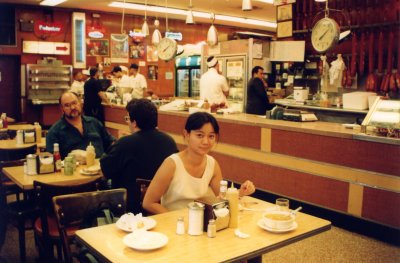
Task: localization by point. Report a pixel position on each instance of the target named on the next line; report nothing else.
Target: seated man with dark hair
(75, 131)
(137, 155)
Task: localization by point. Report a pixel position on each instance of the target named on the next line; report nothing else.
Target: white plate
(86, 172)
(274, 230)
(148, 222)
(145, 240)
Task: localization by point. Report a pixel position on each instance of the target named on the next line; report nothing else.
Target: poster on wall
(97, 47)
(152, 72)
(152, 55)
(137, 51)
(119, 48)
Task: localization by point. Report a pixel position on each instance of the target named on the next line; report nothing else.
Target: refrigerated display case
(187, 76)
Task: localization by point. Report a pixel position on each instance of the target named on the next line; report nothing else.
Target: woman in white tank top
(192, 173)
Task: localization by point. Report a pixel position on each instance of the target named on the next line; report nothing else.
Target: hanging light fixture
(212, 34)
(189, 16)
(156, 37)
(145, 26)
(246, 5)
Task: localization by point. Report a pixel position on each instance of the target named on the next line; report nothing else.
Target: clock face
(167, 48)
(325, 34)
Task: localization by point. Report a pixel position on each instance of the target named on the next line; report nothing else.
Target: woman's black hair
(198, 119)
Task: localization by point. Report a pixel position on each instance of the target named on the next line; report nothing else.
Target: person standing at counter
(213, 86)
(138, 81)
(78, 84)
(75, 131)
(120, 79)
(137, 155)
(189, 174)
(94, 96)
(257, 99)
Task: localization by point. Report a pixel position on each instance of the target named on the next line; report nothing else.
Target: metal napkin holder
(45, 163)
(210, 205)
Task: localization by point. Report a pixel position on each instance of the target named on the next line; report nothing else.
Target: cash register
(298, 115)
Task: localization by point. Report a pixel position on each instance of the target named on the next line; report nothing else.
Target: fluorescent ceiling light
(52, 2)
(183, 13)
(265, 1)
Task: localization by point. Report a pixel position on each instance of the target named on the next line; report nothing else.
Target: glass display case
(383, 119)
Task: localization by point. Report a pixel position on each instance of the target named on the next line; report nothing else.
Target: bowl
(278, 219)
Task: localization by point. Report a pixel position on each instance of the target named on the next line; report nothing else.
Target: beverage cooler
(187, 76)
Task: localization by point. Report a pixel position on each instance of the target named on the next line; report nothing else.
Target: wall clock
(167, 48)
(325, 34)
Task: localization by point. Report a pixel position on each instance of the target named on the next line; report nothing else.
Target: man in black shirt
(138, 155)
(94, 96)
(257, 99)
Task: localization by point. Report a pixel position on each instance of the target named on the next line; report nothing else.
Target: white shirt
(77, 87)
(212, 87)
(185, 188)
(138, 83)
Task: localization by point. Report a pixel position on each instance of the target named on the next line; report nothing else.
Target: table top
(12, 144)
(20, 127)
(106, 241)
(25, 182)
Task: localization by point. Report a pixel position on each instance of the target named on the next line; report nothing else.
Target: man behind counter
(75, 131)
(257, 99)
(138, 155)
(213, 86)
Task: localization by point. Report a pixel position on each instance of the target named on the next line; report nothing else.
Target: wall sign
(136, 35)
(44, 47)
(174, 35)
(42, 28)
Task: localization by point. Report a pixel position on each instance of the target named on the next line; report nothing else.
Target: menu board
(234, 69)
(288, 51)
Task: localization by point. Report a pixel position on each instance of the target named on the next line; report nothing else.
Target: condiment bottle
(211, 228)
(31, 164)
(4, 119)
(223, 188)
(90, 155)
(57, 157)
(20, 137)
(180, 226)
(38, 131)
(232, 194)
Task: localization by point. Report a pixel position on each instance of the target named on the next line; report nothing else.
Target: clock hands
(326, 31)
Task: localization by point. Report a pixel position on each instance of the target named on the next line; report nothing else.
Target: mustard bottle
(38, 131)
(90, 155)
(232, 195)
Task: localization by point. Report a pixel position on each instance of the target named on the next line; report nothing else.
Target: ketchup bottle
(57, 157)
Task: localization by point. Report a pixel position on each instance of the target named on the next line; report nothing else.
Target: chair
(17, 153)
(141, 187)
(71, 211)
(45, 227)
(16, 212)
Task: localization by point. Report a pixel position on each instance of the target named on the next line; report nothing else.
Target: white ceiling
(261, 10)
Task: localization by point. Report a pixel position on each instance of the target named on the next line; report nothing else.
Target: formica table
(25, 182)
(105, 242)
(12, 144)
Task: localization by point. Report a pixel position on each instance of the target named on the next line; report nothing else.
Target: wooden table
(12, 144)
(25, 182)
(106, 241)
(17, 127)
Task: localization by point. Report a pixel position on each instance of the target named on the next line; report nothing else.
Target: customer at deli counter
(140, 154)
(75, 131)
(213, 86)
(257, 99)
(138, 82)
(94, 95)
(189, 174)
(78, 83)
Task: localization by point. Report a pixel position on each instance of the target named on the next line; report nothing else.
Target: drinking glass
(282, 204)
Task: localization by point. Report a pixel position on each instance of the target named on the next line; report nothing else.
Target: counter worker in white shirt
(138, 82)
(120, 79)
(79, 82)
(213, 86)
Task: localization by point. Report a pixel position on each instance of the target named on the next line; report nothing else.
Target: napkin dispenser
(29, 136)
(217, 209)
(45, 163)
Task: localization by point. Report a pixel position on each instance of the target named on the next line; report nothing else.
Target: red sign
(48, 28)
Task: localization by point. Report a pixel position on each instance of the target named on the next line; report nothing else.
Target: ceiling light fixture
(145, 26)
(189, 17)
(246, 5)
(156, 37)
(52, 2)
(212, 34)
(183, 13)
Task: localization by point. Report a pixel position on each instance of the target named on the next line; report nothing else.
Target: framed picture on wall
(97, 47)
(284, 12)
(284, 29)
(152, 72)
(152, 55)
(119, 48)
(137, 51)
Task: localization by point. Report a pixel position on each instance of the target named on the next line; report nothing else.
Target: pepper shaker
(180, 226)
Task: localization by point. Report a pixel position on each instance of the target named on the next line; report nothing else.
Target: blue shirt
(69, 138)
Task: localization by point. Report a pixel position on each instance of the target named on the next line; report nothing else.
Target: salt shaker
(211, 228)
(180, 226)
(196, 218)
(20, 137)
(223, 188)
(31, 164)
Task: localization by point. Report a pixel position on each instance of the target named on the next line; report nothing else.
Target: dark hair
(71, 92)
(255, 70)
(134, 66)
(198, 119)
(210, 58)
(116, 69)
(144, 112)
(93, 71)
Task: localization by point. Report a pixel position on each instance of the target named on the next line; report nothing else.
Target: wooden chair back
(71, 210)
